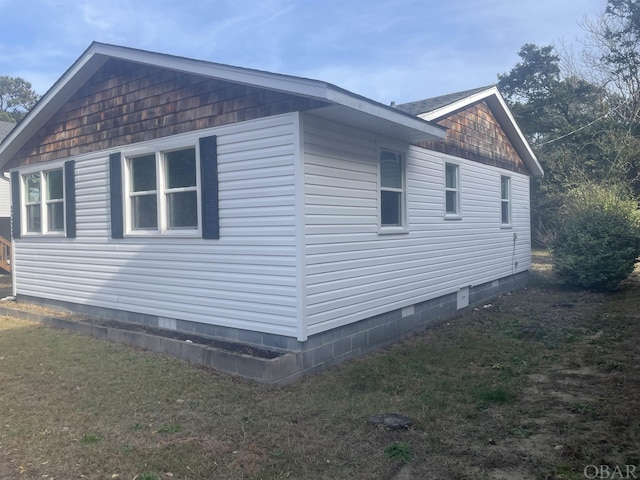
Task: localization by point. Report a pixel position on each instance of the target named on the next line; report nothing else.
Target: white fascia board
(452, 107)
(533, 163)
(504, 116)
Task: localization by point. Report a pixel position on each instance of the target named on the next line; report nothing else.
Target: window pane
(390, 170)
(143, 173)
(182, 209)
(33, 218)
(181, 168)
(55, 216)
(451, 200)
(505, 212)
(451, 176)
(390, 208)
(32, 182)
(505, 188)
(55, 185)
(145, 212)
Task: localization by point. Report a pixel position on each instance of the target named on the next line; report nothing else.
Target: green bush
(597, 238)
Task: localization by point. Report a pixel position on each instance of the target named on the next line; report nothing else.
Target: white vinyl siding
(268, 274)
(246, 279)
(353, 273)
(5, 198)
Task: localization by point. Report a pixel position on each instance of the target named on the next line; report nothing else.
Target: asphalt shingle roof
(5, 128)
(430, 104)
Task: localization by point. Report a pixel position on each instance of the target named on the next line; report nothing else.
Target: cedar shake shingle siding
(125, 103)
(475, 134)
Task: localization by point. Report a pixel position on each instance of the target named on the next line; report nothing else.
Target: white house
(264, 209)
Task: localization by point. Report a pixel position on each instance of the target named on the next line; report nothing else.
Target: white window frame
(44, 202)
(457, 215)
(506, 201)
(161, 191)
(402, 227)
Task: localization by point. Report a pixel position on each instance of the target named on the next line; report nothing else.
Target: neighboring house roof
(436, 108)
(344, 106)
(5, 128)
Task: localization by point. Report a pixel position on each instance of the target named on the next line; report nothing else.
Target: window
(44, 201)
(163, 192)
(452, 191)
(181, 189)
(172, 191)
(55, 200)
(32, 202)
(505, 200)
(391, 189)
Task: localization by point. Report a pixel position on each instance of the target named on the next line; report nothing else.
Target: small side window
(505, 200)
(452, 190)
(392, 189)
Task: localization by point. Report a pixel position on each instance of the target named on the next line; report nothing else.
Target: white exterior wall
(5, 198)
(246, 279)
(353, 272)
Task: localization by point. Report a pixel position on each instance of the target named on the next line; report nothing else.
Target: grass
(399, 451)
(540, 385)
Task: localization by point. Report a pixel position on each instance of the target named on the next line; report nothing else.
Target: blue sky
(387, 50)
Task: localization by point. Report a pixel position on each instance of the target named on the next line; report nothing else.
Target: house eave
(349, 106)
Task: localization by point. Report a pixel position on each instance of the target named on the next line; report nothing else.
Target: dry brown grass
(538, 386)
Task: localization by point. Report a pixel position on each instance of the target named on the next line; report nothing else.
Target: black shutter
(115, 180)
(70, 197)
(209, 177)
(15, 204)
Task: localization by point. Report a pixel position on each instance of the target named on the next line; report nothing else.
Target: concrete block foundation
(280, 360)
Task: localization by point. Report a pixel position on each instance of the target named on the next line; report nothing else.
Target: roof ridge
(433, 103)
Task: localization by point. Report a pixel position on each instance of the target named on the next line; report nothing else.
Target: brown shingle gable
(125, 102)
(475, 134)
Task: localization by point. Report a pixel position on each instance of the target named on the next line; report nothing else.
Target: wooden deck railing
(5, 254)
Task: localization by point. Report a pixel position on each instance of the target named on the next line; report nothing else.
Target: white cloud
(387, 49)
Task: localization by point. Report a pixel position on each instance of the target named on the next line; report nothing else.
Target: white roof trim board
(344, 104)
(502, 113)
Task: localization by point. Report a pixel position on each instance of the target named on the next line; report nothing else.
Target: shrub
(597, 237)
